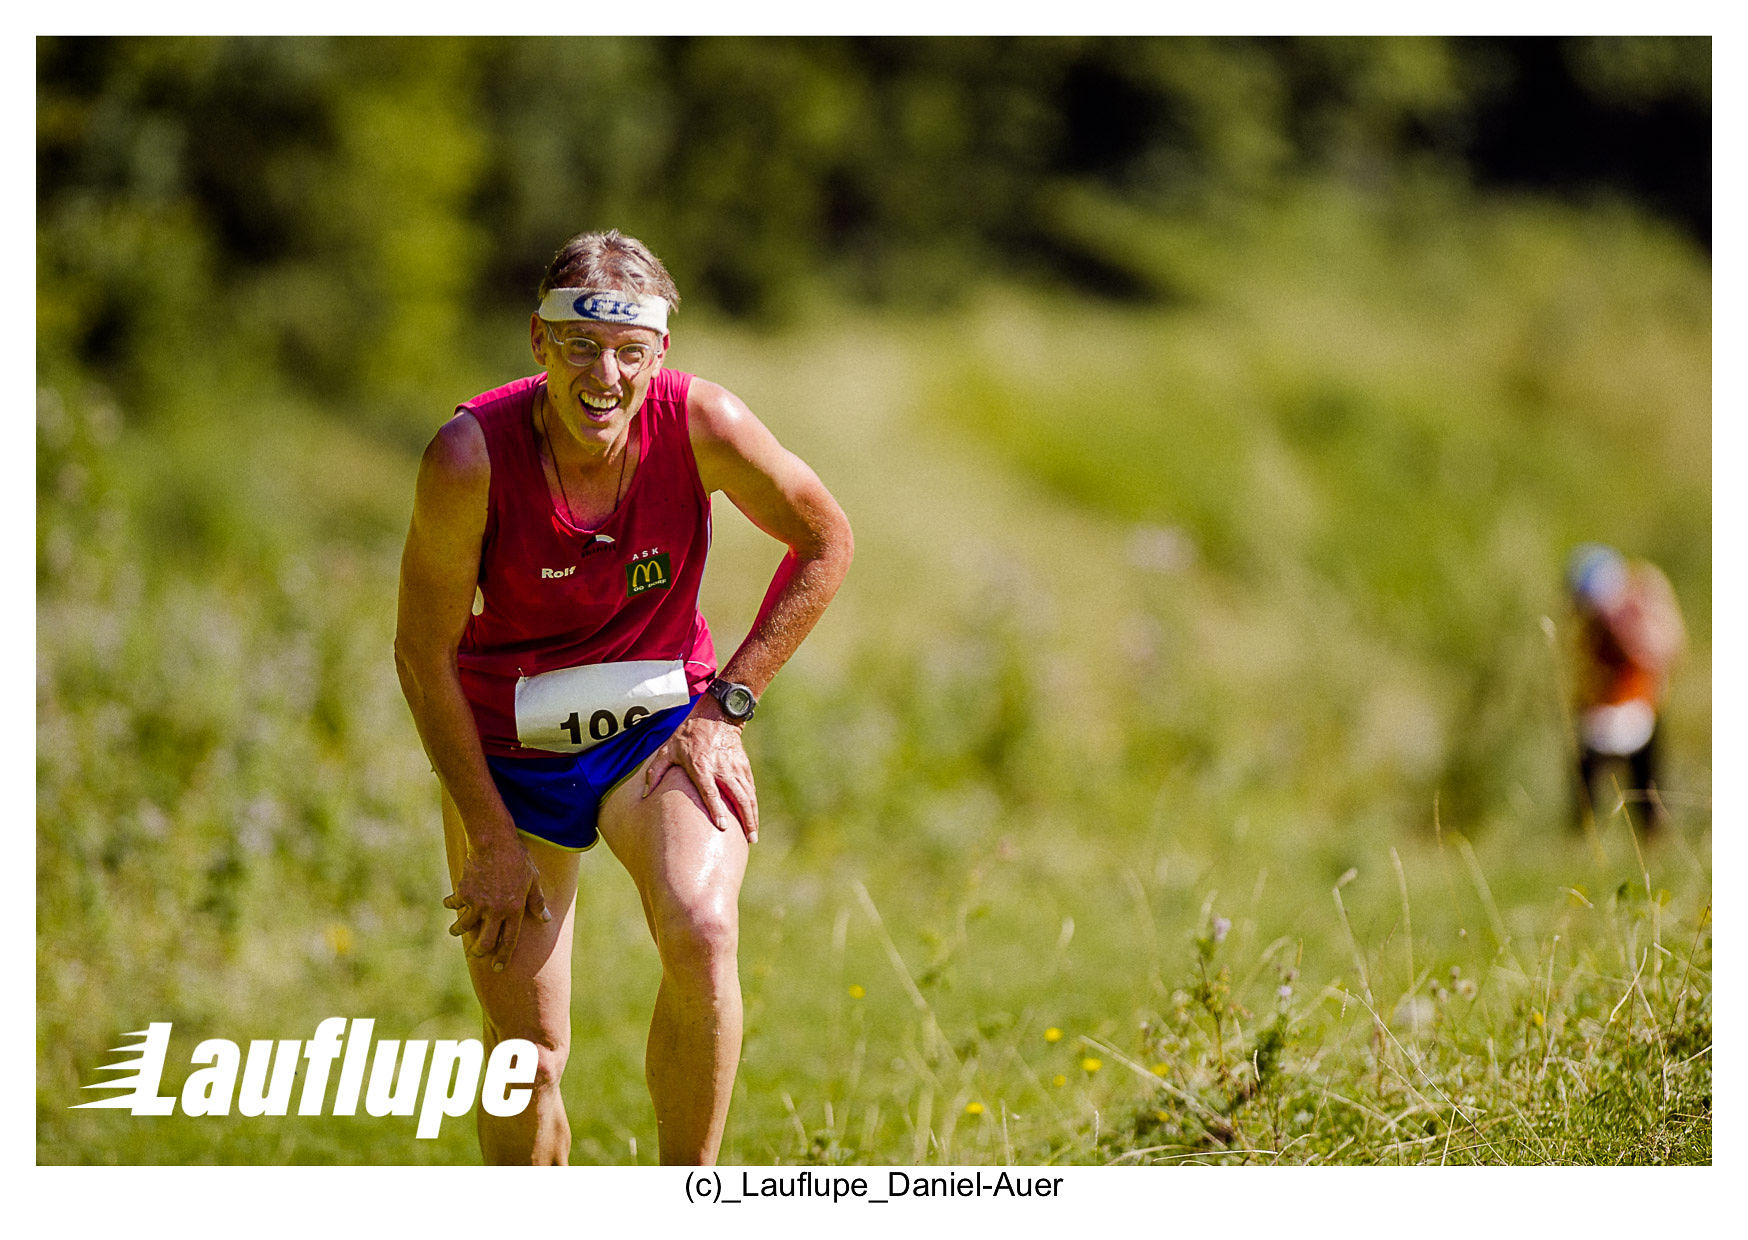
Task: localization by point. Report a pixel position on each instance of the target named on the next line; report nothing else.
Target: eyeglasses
(582, 352)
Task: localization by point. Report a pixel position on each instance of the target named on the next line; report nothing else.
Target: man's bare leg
(689, 876)
(530, 999)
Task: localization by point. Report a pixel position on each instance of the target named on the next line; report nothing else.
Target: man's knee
(699, 936)
(551, 1052)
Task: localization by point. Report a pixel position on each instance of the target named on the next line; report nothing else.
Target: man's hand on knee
(498, 887)
(709, 750)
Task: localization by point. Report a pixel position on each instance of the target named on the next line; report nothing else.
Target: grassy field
(1180, 776)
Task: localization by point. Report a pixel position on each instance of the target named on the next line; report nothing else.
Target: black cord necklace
(570, 514)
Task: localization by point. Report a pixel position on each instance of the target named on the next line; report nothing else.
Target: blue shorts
(558, 799)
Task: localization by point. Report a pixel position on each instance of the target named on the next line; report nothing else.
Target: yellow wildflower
(339, 937)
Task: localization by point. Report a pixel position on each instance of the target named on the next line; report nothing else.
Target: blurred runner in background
(1630, 634)
(565, 685)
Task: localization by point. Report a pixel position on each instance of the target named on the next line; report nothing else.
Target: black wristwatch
(737, 701)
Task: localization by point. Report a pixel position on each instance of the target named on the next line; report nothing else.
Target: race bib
(576, 708)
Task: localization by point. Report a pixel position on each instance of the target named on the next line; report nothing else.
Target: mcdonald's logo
(650, 574)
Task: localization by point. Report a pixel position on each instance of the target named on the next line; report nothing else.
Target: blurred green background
(1215, 417)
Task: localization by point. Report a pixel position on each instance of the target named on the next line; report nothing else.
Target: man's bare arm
(439, 570)
(781, 495)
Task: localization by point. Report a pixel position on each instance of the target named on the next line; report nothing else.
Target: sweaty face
(594, 377)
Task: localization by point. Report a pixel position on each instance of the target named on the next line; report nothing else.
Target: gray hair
(610, 260)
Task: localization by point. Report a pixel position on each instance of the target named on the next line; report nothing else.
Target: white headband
(604, 305)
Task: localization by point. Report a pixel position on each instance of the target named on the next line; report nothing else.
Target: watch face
(738, 702)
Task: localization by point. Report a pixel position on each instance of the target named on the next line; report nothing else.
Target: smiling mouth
(599, 404)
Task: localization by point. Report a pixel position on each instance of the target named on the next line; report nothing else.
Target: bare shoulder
(716, 415)
(455, 477)
(730, 444)
(457, 453)
(776, 489)
(440, 562)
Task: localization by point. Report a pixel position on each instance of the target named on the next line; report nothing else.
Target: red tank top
(556, 596)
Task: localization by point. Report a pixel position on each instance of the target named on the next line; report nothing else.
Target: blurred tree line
(339, 210)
